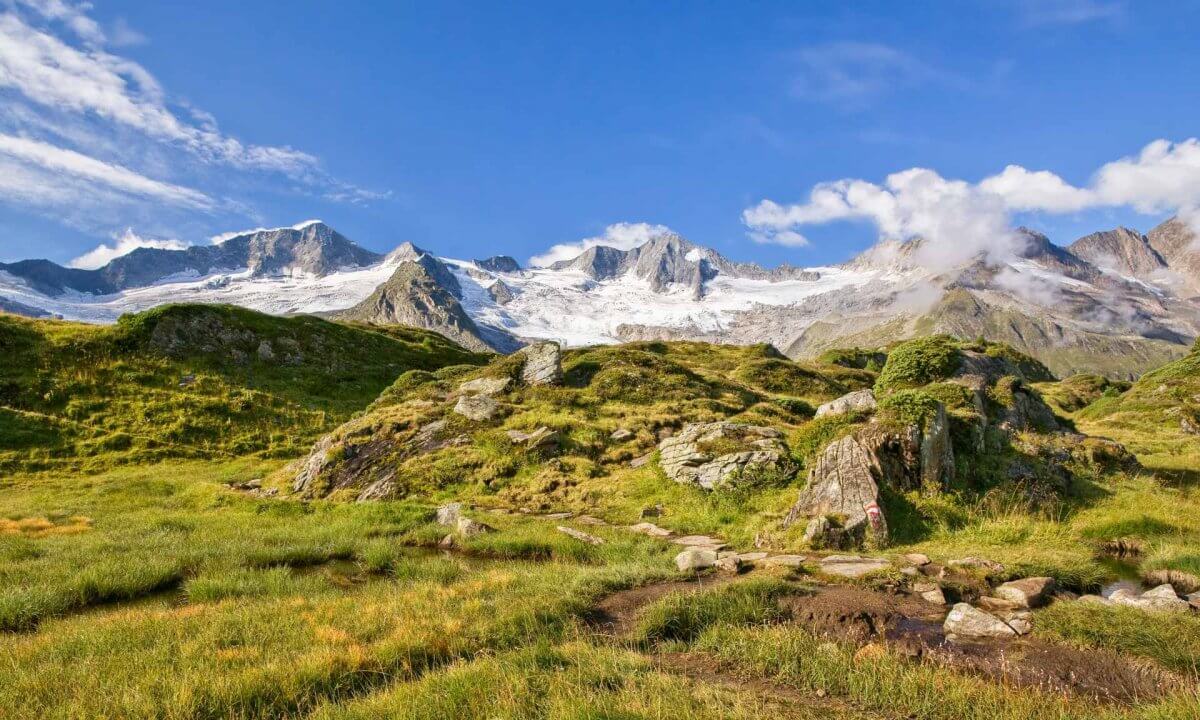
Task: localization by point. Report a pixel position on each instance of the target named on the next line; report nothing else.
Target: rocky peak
(1178, 245)
(499, 263)
(1123, 250)
(310, 249)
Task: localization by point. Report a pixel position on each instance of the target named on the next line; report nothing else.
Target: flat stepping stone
(852, 566)
(752, 556)
(784, 560)
(700, 541)
(557, 516)
(580, 535)
(589, 520)
(648, 528)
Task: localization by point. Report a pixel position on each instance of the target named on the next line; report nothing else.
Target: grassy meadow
(141, 579)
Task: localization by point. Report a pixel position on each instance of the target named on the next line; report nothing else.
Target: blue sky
(477, 128)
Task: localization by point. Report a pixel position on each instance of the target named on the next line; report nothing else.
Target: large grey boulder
(543, 364)
(695, 559)
(857, 401)
(477, 407)
(1028, 592)
(1160, 599)
(689, 457)
(966, 621)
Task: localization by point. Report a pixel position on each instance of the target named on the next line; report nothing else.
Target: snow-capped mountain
(1113, 302)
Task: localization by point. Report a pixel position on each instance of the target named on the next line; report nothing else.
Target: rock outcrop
(712, 454)
(841, 500)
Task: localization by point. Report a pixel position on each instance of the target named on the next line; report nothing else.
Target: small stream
(1126, 575)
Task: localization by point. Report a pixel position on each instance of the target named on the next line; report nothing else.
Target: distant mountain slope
(192, 381)
(1115, 302)
(1124, 250)
(424, 293)
(311, 248)
(1179, 246)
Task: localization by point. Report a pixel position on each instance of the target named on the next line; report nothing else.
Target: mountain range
(1115, 302)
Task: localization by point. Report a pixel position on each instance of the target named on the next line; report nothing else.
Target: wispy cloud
(958, 220)
(1038, 13)
(122, 244)
(853, 74)
(82, 125)
(623, 236)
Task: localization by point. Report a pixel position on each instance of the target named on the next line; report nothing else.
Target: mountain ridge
(1063, 304)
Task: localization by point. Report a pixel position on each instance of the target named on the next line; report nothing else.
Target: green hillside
(197, 381)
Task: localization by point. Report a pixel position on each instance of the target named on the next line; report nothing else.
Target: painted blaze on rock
(713, 454)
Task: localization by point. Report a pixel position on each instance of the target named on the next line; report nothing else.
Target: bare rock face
(857, 401)
(477, 407)
(542, 438)
(707, 454)
(485, 386)
(543, 364)
(318, 458)
(841, 500)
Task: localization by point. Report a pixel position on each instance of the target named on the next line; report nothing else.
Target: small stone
(449, 514)
(910, 571)
(930, 592)
(477, 407)
(647, 528)
(752, 556)
(1095, 599)
(917, 559)
(1193, 599)
(621, 435)
(265, 353)
(579, 535)
(446, 542)
(695, 559)
(967, 621)
(557, 515)
(638, 462)
(540, 439)
(589, 520)
(730, 563)
(1028, 592)
(995, 604)
(470, 528)
(1020, 622)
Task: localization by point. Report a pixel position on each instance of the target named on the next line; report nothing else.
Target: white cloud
(1069, 12)
(623, 236)
(52, 73)
(61, 162)
(850, 74)
(959, 220)
(123, 244)
(122, 34)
